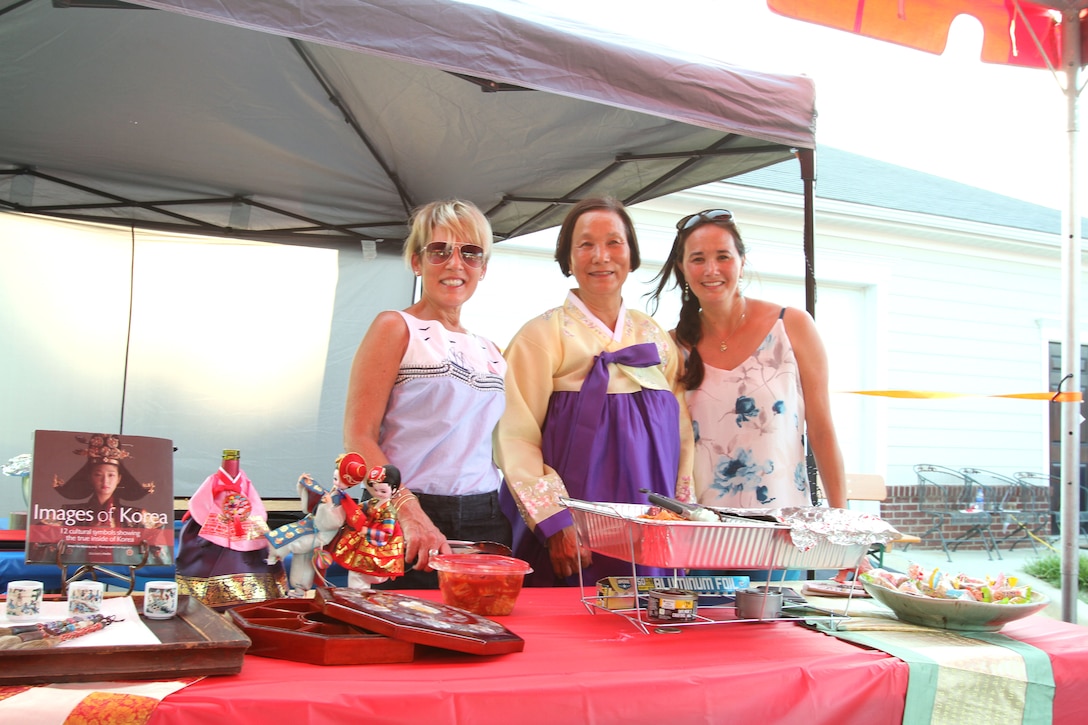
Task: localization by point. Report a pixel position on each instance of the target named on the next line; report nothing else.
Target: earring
(687, 292)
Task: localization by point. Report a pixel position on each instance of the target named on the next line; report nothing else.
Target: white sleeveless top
(749, 423)
(442, 411)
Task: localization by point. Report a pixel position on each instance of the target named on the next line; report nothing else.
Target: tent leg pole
(807, 157)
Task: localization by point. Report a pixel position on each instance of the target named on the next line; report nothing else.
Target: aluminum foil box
(615, 592)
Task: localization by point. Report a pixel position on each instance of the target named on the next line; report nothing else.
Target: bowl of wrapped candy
(484, 584)
(960, 602)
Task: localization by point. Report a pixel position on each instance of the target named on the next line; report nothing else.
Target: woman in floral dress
(755, 376)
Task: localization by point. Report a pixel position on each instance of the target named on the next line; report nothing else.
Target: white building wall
(905, 302)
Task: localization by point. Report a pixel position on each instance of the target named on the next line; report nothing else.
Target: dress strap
(782, 314)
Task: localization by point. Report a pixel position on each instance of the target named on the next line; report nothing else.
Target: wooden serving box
(195, 643)
(413, 619)
(298, 630)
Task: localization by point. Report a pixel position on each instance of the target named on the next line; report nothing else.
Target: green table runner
(960, 677)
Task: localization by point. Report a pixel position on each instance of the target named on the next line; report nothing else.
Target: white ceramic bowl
(960, 614)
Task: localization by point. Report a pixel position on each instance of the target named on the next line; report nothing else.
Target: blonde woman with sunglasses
(755, 377)
(425, 394)
(590, 411)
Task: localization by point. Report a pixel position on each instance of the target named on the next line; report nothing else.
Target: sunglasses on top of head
(440, 252)
(709, 215)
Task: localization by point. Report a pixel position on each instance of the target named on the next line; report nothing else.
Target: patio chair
(948, 498)
(1016, 503)
(1046, 483)
(870, 488)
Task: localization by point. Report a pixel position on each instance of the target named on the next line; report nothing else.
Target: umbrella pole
(1071, 411)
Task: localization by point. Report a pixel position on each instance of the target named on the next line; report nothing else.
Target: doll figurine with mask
(371, 543)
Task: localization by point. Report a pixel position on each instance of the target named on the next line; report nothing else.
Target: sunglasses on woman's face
(710, 215)
(440, 253)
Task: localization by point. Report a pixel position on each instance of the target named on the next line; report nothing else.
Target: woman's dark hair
(689, 331)
(566, 232)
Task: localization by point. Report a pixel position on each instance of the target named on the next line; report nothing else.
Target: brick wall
(900, 509)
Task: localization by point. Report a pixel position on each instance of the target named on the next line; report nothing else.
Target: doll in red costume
(371, 543)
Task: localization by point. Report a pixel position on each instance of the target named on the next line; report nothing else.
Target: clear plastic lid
(479, 564)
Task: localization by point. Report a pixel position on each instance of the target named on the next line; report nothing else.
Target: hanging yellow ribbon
(1051, 396)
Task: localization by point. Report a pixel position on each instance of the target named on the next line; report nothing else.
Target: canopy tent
(320, 123)
(298, 119)
(1051, 34)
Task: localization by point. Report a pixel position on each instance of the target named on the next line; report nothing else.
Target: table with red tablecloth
(579, 666)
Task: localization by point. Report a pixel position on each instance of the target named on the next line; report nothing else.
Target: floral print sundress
(749, 423)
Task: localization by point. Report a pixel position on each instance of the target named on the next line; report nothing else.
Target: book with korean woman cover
(101, 498)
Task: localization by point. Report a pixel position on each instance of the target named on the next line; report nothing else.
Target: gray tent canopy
(328, 121)
(320, 124)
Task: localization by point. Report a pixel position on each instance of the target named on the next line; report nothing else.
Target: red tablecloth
(583, 667)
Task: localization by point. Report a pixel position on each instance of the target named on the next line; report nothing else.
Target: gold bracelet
(400, 497)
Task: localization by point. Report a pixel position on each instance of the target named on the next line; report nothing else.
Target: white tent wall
(233, 344)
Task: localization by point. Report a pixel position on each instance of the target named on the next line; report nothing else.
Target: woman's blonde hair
(462, 218)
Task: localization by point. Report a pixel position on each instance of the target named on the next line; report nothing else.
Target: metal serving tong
(480, 547)
(698, 512)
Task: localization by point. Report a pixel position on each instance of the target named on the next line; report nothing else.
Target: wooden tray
(422, 621)
(297, 630)
(197, 642)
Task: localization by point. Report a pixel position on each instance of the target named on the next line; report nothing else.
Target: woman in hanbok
(590, 410)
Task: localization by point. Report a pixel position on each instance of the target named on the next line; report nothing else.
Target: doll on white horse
(306, 539)
(371, 543)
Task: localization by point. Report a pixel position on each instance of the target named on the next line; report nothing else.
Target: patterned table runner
(960, 677)
(76, 703)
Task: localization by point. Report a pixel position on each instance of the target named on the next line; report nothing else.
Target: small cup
(85, 598)
(160, 600)
(24, 600)
(759, 604)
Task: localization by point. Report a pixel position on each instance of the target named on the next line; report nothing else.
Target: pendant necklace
(724, 345)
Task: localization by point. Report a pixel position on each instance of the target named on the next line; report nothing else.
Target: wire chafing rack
(622, 532)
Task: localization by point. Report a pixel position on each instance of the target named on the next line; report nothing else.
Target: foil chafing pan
(615, 530)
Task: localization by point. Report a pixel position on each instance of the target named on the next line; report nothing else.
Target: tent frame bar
(187, 223)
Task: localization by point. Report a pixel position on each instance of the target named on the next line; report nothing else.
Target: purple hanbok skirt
(636, 444)
(220, 577)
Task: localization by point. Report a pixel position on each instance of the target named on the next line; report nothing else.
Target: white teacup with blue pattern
(24, 600)
(84, 598)
(160, 600)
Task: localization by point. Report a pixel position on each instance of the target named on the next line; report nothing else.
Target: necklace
(724, 344)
